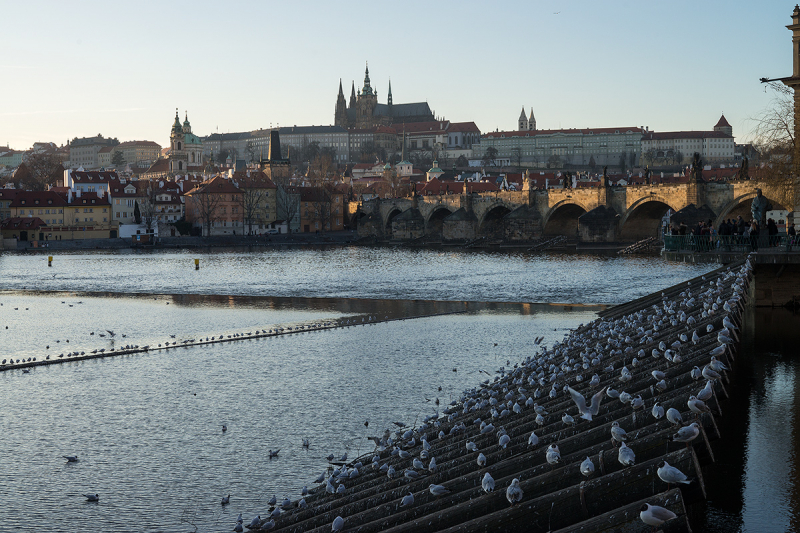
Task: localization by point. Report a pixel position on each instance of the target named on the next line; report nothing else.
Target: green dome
(387, 166)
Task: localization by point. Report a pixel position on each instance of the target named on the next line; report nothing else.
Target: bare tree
(251, 202)
(516, 156)
(147, 204)
(42, 171)
(774, 137)
(205, 206)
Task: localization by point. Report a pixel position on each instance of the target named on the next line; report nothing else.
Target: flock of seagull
(587, 359)
(699, 324)
(133, 348)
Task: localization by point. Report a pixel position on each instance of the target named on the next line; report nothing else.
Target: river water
(147, 427)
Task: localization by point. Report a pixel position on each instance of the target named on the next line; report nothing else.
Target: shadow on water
(754, 486)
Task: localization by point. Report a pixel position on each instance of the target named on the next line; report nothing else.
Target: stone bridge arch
(643, 218)
(387, 223)
(435, 220)
(491, 223)
(741, 206)
(562, 218)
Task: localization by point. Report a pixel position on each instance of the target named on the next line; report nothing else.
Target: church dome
(387, 166)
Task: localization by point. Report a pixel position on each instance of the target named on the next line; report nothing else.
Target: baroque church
(186, 148)
(364, 111)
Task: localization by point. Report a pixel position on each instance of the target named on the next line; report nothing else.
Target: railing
(729, 243)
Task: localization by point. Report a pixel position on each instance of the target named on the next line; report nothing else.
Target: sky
(79, 68)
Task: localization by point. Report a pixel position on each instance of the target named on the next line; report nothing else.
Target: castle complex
(364, 111)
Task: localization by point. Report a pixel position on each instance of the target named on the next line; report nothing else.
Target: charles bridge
(600, 214)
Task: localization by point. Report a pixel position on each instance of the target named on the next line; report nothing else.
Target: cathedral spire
(390, 91)
(341, 92)
(353, 95)
(367, 89)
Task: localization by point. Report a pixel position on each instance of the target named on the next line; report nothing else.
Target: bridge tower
(794, 83)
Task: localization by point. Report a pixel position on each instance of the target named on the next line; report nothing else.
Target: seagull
(472, 447)
(438, 490)
(481, 460)
(706, 393)
(274, 454)
(653, 515)
(71, 458)
(92, 497)
(338, 524)
(256, 521)
(226, 499)
(514, 492)
(273, 500)
(674, 416)
(625, 455)
(587, 412)
(238, 528)
(698, 407)
(669, 474)
(407, 501)
(487, 483)
(553, 454)
(533, 440)
(687, 434)
(617, 433)
(658, 411)
(587, 467)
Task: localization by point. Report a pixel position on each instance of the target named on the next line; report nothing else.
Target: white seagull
(653, 515)
(587, 411)
(669, 474)
(488, 482)
(514, 492)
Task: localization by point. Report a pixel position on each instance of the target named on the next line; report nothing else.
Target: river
(147, 427)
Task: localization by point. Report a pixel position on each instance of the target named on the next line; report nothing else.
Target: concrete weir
(506, 425)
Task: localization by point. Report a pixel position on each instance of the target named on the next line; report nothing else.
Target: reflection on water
(759, 491)
(354, 272)
(146, 427)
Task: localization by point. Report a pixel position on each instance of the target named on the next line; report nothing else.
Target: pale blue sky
(85, 67)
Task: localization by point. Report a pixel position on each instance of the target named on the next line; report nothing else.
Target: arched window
(192, 157)
(180, 165)
(179, 145)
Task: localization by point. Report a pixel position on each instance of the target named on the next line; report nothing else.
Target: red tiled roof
(8, 194)
(722, 123)
(90, 199)
(38, 198)
(468, 127)
(419, 127)
(22, 223)
(93, 176)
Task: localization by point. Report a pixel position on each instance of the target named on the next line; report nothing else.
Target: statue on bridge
(566, 180)
(759, 207)
(605, 177)
(697, 168)
(744, 171)
(647, 175)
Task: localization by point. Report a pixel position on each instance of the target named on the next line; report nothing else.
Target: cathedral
(363, 111)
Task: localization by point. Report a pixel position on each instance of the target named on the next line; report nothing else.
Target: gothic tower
(353, 96)
(523, 120)
(340, 116)
(365, 106)
(532, 122)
